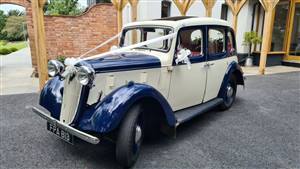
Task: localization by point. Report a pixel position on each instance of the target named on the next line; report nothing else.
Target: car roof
(181, 21)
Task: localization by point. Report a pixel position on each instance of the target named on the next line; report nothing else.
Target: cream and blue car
(148, 89)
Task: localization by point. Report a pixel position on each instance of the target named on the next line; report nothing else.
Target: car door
(217, 61)
(187, 86)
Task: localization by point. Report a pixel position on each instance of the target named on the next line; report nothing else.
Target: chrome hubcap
(229, 91)
(138, 134)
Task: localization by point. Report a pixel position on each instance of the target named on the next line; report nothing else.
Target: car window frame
(192, 59)
(231, 31)
(217, 56)
(147, 26)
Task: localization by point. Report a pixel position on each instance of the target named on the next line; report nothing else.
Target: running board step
(188, 113)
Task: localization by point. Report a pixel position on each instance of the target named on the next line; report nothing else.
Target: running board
(189, 113)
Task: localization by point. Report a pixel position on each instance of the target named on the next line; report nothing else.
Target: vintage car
(163, 73)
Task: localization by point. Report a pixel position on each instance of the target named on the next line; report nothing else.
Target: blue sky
(7, 7)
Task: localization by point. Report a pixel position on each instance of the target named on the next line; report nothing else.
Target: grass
(18, 45)
(6, 48)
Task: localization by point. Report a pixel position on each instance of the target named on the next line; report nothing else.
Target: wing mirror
(183, 57)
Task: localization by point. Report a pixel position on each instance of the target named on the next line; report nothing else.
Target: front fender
(233, 69)
(106, 115)
(51, 96)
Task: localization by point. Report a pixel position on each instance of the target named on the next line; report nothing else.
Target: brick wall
(72, 36)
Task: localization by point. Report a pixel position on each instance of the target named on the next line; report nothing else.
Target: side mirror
(114, 47)
(183, 57)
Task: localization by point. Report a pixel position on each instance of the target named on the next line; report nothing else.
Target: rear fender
(233, 69)
(106, 115)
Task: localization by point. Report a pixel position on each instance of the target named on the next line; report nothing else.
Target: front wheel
(229, 94)
(130, 138)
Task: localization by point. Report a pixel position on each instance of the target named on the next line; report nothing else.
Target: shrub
(61, 58)
(4, 51)
(13, 49)
(3, 42)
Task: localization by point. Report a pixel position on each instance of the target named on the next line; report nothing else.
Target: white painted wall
(151, 9)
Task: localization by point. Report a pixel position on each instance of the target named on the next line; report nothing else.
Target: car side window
(216, 41)
(230, 44)
(191, 39)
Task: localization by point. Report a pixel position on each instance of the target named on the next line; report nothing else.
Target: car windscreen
(136, 35)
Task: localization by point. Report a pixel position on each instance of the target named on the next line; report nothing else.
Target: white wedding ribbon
(102, 44)
(73, 61)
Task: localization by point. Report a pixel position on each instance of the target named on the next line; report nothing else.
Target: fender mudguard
(106, 115)
(233, 68)
(51, 96)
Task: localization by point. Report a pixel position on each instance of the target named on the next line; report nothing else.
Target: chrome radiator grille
(71, 99)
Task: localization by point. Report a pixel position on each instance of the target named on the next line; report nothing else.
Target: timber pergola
(235, 7)
(208, 4)
(119, 5)
(269, 7)
(183, 6)
(40, 42)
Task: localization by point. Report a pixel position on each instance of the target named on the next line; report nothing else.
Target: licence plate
(64, 135)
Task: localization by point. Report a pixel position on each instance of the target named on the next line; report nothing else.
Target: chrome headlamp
(55, 67)
(85, 75)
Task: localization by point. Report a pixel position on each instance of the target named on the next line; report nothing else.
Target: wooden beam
(133, 4)
(235, 8)
(209, 4)
(183, 6)
(119, 5)
(269, 7)
(40, 42)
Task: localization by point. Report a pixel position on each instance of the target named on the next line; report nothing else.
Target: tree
(15, 28)
(3, 18)
(63, 7)
(250, 38)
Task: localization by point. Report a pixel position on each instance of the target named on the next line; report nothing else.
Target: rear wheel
(229, 94)
(130, 137)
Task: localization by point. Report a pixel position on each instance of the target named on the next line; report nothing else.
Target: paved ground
(15, 71)
(261, 130)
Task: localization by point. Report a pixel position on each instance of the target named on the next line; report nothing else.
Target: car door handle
(208, 65)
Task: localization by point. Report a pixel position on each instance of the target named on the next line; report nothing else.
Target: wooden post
(40, 42)
(209, 4)
(183, 6)
(235, 8)
(269, 7)
(133, 4)
(119, 5)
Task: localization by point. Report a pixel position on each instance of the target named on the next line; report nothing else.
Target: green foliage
(13, 49)
(3, 18)
(15, 28)
(251, 38)
(63, 7)
(3, 42)
(61, 58)
(5, 51)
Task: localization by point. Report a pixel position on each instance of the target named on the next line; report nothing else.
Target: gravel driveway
(261, 130)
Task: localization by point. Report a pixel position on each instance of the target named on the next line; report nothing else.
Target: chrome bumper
(82, 135)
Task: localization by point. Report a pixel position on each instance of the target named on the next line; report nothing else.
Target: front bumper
(82, 135)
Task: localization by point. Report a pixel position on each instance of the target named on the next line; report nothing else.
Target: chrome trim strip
(82, 135)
